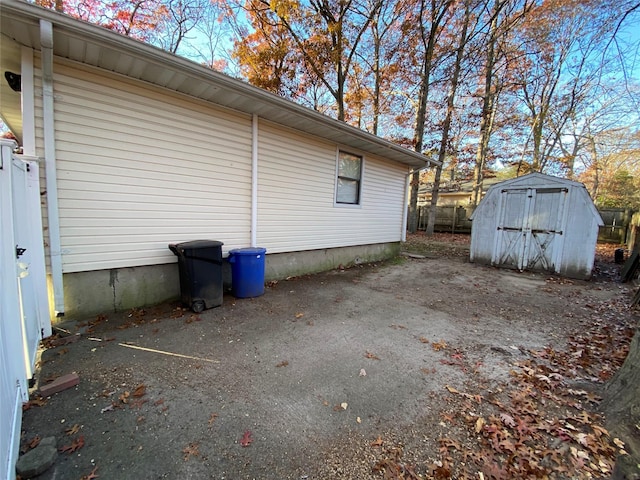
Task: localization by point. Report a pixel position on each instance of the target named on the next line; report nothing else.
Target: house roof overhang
(96, 46)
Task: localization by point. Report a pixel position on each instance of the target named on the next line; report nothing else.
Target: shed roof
(536, 178)
(99, 47)
(541, 180)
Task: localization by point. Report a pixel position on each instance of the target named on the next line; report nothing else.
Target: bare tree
(451, 96)
(429, 32)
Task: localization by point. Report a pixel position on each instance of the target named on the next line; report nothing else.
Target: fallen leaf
(72, 430)
(31, 444)
(358, 420)
(76, 445)
(299, 315)
(441, 345)
(424, 339)
(377, 442)
(246, 439)
(34, 402)
(191, 450)
(363, 373)
(139, 402)
(344, 405)
(92, 475)
(371, 356)
(140, 390)
(451, 389)
(212, 418)
(283, 363)
(507, 420)
(479, 424)
(449, 417)
(397, 327)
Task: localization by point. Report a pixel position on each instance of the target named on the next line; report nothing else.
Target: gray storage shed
(537, 222)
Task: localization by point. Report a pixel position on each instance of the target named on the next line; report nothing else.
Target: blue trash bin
(247, 271)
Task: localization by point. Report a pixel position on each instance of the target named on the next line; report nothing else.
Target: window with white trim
(349, 179)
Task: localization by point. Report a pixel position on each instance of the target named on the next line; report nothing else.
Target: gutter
(53, 217)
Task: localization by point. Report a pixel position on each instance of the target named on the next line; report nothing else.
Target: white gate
(24, 309)
(530, 224)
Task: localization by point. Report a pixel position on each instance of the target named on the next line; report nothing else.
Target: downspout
(407, 186)
(55, 254)
(28, 105)
(254, 180)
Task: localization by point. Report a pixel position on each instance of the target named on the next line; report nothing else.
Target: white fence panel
(24, 312)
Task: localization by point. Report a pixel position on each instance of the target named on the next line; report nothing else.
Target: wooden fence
(617, 227)
(449, 218)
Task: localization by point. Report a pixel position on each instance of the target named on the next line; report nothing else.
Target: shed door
(529, 228)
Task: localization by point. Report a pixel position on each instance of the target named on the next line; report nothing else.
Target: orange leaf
(140, 390)
(246, 439)
(76, 445)
(377, 442)
(72, 430)
(91, 476)
(371, 356)
(191, 450)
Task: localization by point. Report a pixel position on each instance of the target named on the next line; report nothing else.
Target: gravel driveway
(350, 374)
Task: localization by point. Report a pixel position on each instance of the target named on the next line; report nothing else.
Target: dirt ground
(414, 368)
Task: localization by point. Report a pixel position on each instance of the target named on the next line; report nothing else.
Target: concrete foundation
(103, 291)
(291, 264)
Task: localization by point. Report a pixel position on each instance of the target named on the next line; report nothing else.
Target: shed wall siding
(572, 252)
(582, 231)
(296, 192)
(139, 168)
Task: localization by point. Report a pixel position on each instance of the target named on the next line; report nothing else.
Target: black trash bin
(200, 265)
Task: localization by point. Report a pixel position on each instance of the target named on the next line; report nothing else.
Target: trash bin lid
(180, 248)
(248, 251)
(200, 244)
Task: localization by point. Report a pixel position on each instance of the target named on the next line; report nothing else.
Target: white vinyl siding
(139, 168)
(296, 196)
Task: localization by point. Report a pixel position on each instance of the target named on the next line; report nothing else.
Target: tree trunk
(485, 132)
(437, 16)
(447, 121)
(622, 407)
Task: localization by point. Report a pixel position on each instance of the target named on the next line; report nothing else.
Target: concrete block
(59, 384)
(38, 460)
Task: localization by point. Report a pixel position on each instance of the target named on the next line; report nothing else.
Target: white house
(140, 148)
(536, 222)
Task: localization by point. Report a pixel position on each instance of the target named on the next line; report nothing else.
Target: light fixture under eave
(14, 80)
